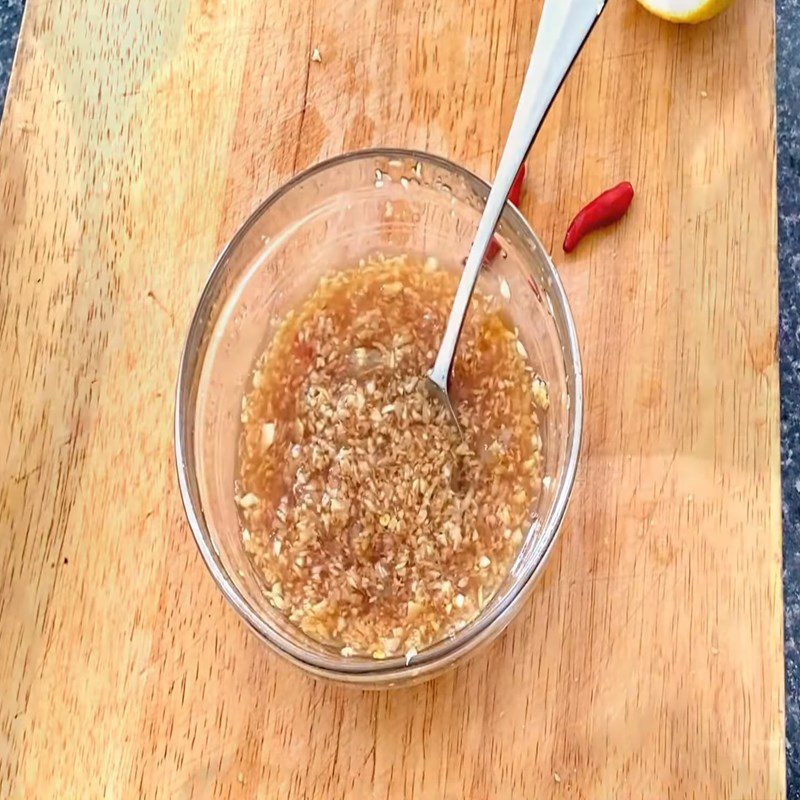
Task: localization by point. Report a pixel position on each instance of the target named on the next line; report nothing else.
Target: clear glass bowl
(327, 218)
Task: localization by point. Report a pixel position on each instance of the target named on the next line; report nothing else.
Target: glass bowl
(376, 201)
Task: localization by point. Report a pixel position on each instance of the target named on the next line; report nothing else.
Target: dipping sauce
(373, 525)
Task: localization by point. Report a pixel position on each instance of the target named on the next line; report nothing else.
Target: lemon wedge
(691, 11)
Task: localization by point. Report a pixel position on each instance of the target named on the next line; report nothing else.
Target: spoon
(563, 28)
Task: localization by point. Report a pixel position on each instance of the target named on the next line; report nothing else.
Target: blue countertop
(10, 16)
(788, 86)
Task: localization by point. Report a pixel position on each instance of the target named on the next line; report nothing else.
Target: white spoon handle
(563, 28)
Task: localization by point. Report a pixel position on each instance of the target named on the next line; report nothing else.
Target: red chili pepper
(514, 195)
(603, 210)
(515, 192)
(303, 351)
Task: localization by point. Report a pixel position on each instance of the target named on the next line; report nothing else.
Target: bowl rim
(447, 651)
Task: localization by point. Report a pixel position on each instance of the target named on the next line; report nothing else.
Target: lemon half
(686, 10)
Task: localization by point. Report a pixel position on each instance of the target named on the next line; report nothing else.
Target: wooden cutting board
(648, 662)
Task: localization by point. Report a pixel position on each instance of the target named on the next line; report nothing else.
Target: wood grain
(137, 136)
